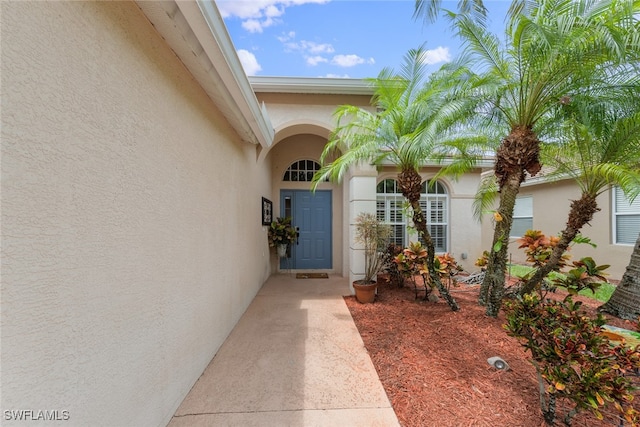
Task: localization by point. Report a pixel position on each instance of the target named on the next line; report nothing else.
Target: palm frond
(429, 10)
(485, 197)
(412, 118)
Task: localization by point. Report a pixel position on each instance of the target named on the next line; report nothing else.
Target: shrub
(573, 359)
(447, 267)
(412, 262)
(538, 248)
(281, 232)
(373, 234)
(390, 266)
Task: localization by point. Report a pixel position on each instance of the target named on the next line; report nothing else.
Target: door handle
(297, 235)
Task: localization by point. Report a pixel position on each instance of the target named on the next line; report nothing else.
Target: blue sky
(337, 38)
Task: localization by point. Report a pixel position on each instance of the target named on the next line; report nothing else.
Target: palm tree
(413, 119)
(552, 49)
(625, 300)
(430, 9)
(603, 150)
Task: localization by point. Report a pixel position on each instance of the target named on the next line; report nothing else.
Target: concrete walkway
(294, 359)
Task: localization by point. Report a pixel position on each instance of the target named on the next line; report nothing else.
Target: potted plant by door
(281, 235)
(373, 235)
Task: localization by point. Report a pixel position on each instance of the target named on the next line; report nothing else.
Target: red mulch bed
(433, 362)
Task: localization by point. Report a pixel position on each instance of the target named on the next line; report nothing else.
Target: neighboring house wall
(551, 204)
(127, 202)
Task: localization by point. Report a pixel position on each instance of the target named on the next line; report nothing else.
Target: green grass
(517, 270)
(603, 293)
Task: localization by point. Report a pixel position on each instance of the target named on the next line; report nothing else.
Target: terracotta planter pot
(365, 293)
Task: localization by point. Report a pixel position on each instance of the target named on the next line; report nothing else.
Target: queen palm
(602, 149)
(414, 118)
(551, 51)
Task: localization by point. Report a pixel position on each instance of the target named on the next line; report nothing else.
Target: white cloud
(347, 60)
(305, 46)
(315, 60)
(286, 37)
(273, 12)
(313, 47)
(252, 26)
(437, 55)
(258, 14)
(243, 9)
(336, 76)
(350, 60)
(249, 62)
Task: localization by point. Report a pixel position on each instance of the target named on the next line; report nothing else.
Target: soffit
(195, 31)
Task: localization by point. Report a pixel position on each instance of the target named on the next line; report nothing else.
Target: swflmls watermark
(36, 415)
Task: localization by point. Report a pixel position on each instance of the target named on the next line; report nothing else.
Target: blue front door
(311, 214)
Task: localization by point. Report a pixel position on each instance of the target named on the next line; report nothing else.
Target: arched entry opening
(318, 215)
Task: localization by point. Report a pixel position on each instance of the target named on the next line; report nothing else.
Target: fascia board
(532, 181)
(231, 71)
(310, 85)
(481, 164)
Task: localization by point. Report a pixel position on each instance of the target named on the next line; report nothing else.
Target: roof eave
(311, 85)
(197, 34)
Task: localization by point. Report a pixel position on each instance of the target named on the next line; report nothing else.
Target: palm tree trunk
(410, 183)
(492, 287)
(581, 212)
(625, 300)
(421, 226)
(518, 152)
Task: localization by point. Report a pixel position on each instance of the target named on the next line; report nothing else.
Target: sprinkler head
(498, 363)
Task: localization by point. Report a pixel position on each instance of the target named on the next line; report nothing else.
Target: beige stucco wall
(551, 203)
(286, 110)
(127, 205)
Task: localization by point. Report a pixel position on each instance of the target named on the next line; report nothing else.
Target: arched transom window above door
(302, 170)
(434, 202)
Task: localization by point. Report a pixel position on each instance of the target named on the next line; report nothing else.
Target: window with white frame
(389, 202)
(522, 216)
(434, 202)
(626, 218)
(302, 170)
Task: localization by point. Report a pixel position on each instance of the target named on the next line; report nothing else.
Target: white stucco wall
(125, 196)
(465, 230)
